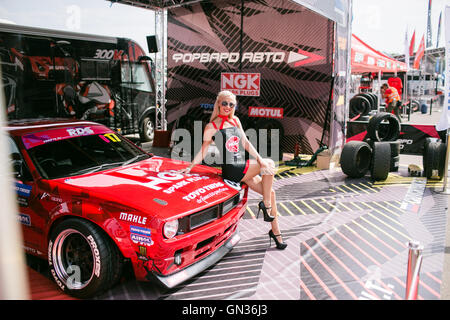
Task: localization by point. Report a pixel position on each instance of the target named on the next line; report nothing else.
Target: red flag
(412, 44)
(419, 54)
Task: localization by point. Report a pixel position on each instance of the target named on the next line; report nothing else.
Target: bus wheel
(147, 130)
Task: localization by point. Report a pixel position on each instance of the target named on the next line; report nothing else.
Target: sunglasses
(226, 104)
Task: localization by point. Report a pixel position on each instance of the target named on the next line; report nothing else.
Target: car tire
(442, 150)
(381, 161)
(359, 105)
(83, 260)
(375, 99)
(431, 160)
(395, 155)
(425, 149)
(371, 99)
(434, 159)
(378, 131)
(147, 130)
(356, 159)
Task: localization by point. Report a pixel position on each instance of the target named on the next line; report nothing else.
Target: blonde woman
(228, 134)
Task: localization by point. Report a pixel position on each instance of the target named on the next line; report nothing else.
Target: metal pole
(414, 264)
(161, 63)
(445, 190)
(409, 110)
(379, 90)
(431, 105)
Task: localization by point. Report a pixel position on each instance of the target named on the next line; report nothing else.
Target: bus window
(135, 76)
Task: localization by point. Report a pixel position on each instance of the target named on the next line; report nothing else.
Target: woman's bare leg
(256, 184)
(267, 181)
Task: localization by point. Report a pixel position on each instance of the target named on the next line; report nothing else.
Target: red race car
(91, 201)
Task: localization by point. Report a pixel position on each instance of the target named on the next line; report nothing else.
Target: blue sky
(381, 23)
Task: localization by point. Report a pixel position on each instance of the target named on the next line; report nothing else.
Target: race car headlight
(170, 229)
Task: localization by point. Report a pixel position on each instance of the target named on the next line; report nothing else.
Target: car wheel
(381, 161)
(147, 132)
(355, 159)
(82, 259)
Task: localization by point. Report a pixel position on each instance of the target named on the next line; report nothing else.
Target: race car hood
(152, 186)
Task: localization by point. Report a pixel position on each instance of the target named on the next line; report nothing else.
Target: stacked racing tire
(379, 155)
(434, 158)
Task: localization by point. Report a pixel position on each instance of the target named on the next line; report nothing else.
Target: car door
(27, 199)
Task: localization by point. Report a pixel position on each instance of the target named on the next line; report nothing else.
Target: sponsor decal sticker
(233, 184)
(129, 217)
(201, 194)
(23, 190)
(141, 235)
(80, 131)
(24, 219)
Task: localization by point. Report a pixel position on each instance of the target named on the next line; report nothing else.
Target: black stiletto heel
(263, 208)
(280, 245)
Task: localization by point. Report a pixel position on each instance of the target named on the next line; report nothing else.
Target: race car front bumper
(175, 279)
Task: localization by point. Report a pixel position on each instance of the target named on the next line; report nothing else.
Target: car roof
(24, 126)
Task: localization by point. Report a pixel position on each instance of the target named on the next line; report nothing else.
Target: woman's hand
(267, 167)
(185, 170)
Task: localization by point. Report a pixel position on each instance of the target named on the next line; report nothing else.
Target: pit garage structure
(297, 50)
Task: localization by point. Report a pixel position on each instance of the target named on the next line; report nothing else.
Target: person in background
(396, 82)
(225, 129)
(392, 99)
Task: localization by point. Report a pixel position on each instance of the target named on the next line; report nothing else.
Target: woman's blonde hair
(220, 96)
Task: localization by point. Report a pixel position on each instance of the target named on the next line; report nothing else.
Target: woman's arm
(207, 140)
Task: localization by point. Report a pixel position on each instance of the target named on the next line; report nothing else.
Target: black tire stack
(380, 154)
(361, 104)
(434, 158)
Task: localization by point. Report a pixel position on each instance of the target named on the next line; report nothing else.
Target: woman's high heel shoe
(263, 208)
(280, 245)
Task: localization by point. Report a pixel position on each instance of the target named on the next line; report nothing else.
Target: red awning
(366, 59)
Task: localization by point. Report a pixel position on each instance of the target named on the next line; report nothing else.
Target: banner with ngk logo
(241, 84)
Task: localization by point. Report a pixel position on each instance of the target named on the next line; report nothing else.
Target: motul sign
(262, 112)
(241, 84)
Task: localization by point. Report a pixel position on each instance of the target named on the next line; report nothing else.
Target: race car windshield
(84, 154)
